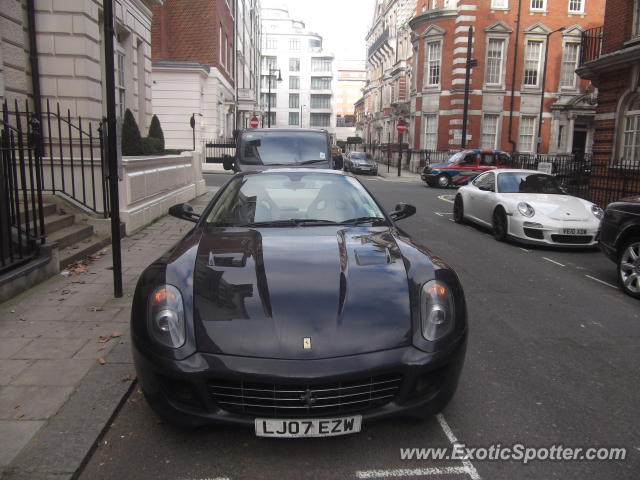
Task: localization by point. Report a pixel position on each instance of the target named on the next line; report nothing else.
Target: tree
(131, 138)
(155, 131)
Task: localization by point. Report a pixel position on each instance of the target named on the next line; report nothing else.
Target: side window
(469, 159)
(488, 159)
(487, 180)
(504, 160)
(479, 179)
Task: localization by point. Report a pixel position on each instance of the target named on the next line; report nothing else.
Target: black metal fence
(21, 212)
(215, 151)
(591, 44)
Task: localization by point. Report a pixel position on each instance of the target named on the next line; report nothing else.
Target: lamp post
(544, 83)
(192, 122)
(271, 71)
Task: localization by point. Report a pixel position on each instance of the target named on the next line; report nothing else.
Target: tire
(629, 267)
(443, 180)
(458, 209)
(500, 225)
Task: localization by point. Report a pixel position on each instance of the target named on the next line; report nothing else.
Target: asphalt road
(552, 359)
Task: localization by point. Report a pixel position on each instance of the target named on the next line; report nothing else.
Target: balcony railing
(591, 44)
(379, 41)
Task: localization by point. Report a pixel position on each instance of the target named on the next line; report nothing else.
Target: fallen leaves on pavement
(102, 361)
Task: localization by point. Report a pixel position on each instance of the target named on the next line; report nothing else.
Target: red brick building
(612, 63)
(510, 38)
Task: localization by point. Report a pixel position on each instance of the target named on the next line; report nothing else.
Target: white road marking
(439, 214)
(452, 220)
(471, 470)
(553, 261)
(412, 472)
(444, 199)
(601, 281)
(524, 249)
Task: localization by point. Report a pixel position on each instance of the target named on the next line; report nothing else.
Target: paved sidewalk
(405, 175)
(65, 360)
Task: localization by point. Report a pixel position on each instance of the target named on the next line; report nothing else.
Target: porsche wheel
(499, 224)
(458, 210)
(629, 267)
(443, 180)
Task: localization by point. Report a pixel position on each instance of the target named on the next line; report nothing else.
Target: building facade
(351, 78)
(302, 75)
(612, 62)
(205, 59)
(389, 64)
(524, 93)
(70, 54)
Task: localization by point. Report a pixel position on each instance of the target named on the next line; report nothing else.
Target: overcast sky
(343, 24)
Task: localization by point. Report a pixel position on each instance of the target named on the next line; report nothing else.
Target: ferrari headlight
(597, 211)
(437, 310)
(526, 210)
(166, 316)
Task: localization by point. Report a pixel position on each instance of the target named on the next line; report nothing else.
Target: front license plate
(320, 427)
(574, 231)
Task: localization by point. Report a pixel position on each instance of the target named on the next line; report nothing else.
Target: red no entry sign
(253, 123)
(401, 127)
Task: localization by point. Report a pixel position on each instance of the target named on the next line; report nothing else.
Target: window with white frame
(527, 134)
(570, 56)
(320, 101)
(264, 83)
(320, 83)
(499, 3)
(433, 63)
(272, 42)
(495, 55)
(489, 138)
(430, 132)
(294, 44)
(320, 119)
(630, 151)
(532, 59)
(121, 95)
(269, 62)
(294, 82)
(576, 6)
(265, 100)
(294, 64)
(538, 5)
(294, 118)
(294, 100)
(321, 65)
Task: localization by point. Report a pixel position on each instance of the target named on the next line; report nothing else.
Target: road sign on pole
(253, 123)
(401, 126)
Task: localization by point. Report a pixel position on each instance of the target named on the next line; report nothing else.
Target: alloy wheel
(629, 268)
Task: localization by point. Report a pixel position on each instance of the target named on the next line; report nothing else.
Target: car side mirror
(486, 188)
(403, 210)
(227, 162)
(184, 211)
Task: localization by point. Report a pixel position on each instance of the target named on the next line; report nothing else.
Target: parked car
(620, 241)
(262, 148)
(360, 162)
(529, 206)
(296, 306)
(463, 167)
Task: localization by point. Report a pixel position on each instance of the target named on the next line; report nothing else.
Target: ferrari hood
(556, 207)
(300, 293)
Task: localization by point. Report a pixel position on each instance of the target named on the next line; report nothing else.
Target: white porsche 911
(529, 206)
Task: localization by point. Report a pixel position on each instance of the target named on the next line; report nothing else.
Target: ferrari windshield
(294, 198)
(525, 182)
(283, 148)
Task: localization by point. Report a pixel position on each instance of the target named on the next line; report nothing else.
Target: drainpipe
(235, 64)
(33, 59)
(513, 143)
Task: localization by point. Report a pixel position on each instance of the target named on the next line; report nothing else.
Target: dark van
(263, 148)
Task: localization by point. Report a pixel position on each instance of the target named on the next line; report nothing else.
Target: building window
(120, 82)
(266, 118)
(320, 83)
(264, 83)
(320, 65)
(430, 132)
(320, 101)
(433, 63)
(489, 131)
(539, 5)
(532, 63)
(265, 100)
(630, 151)
(269, 62)
(527, 134)
(294, 118)
(320, 119)
(294, 83)
(495, 53)
(499, 3)
(294, 44)
(272, 42)
(294, 100)
(570, 57)
(294, 64)
(576, 6)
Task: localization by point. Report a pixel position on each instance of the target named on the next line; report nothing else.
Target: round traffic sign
(401, 127)
(253, 123)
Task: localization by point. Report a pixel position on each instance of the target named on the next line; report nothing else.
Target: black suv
(620, 241)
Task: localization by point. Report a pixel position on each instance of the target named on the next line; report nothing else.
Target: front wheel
(458, 210)
(443, 180)
(499, 224)
(629, 267)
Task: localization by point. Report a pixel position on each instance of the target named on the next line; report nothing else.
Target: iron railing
(591, 44)
(215, 151)
(21, 210)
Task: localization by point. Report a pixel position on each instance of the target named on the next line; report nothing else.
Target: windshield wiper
(307, 162)
(363, 220)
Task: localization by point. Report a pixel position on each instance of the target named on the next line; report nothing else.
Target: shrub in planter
(155, 130)
(131, 139)
(151, 146)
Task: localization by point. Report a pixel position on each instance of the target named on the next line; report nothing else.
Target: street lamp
(544, 83)
(192, 122)
(271, 70)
